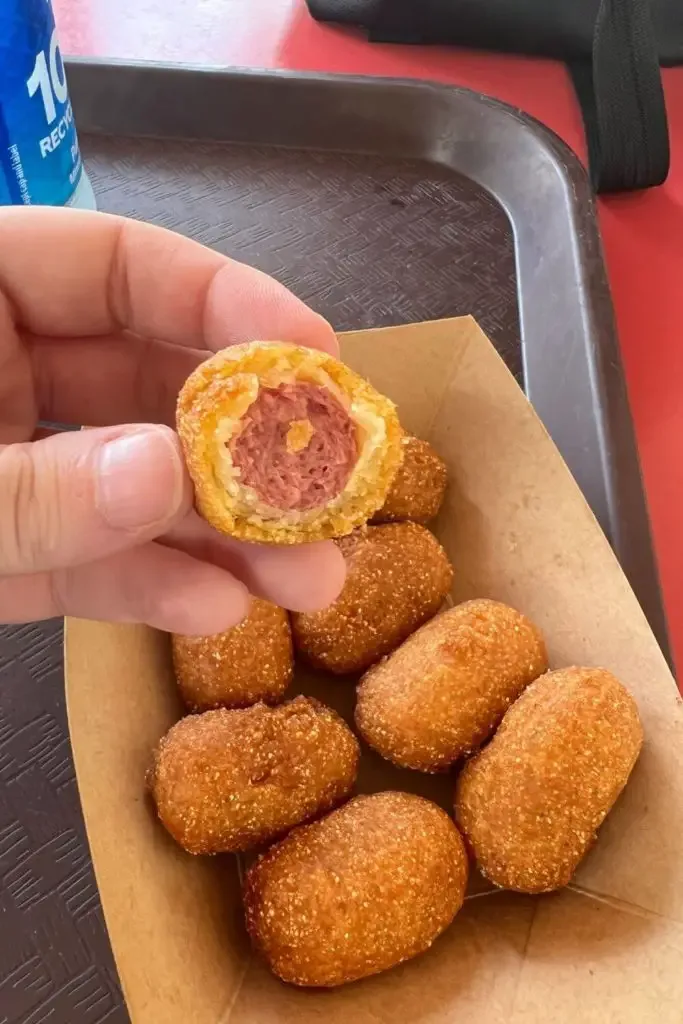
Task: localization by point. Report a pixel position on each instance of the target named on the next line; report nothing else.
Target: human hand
(101, 321)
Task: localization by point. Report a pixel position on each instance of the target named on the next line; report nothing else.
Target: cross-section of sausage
(297, 446)
(286, 444)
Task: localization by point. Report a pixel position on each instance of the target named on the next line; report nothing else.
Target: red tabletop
(643, 234)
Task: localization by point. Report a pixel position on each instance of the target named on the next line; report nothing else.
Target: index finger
(73, 273)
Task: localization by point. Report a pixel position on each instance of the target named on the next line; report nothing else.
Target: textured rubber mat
(366, 242)
(55, 962)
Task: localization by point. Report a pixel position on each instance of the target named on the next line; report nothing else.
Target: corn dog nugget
(226, 781)
(286, 444)
(371, 885)
(419, 487)
(444, 691)
(531, 802)
(251, 662)
(397, 577)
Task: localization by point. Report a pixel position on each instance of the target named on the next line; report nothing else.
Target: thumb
(83, 495)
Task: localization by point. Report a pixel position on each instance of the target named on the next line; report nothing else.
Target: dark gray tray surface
(56, 965)
(368, 240)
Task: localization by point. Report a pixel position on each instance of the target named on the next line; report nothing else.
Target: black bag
(613, 49)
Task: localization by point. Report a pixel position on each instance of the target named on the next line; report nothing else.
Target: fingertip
(326, 337)
(141, 483)
(244, 304)
(304, 577)
(164, 588)
(321, 577)
(205, 610)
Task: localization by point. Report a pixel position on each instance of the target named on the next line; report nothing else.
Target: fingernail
(139, 479)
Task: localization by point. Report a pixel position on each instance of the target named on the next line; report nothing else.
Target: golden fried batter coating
(251, 662)
(397, 577)
(531, 803)
(419, 487)
(226, 781)
(369, 886)
(214, 409)
(444, 691)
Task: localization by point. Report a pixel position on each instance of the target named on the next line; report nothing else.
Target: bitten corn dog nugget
(286, 444)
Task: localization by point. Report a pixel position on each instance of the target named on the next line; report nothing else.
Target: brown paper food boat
(607, 949)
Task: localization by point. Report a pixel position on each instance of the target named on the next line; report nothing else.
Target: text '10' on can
(40, 161)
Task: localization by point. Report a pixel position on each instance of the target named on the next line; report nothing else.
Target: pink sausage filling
(297, 446)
